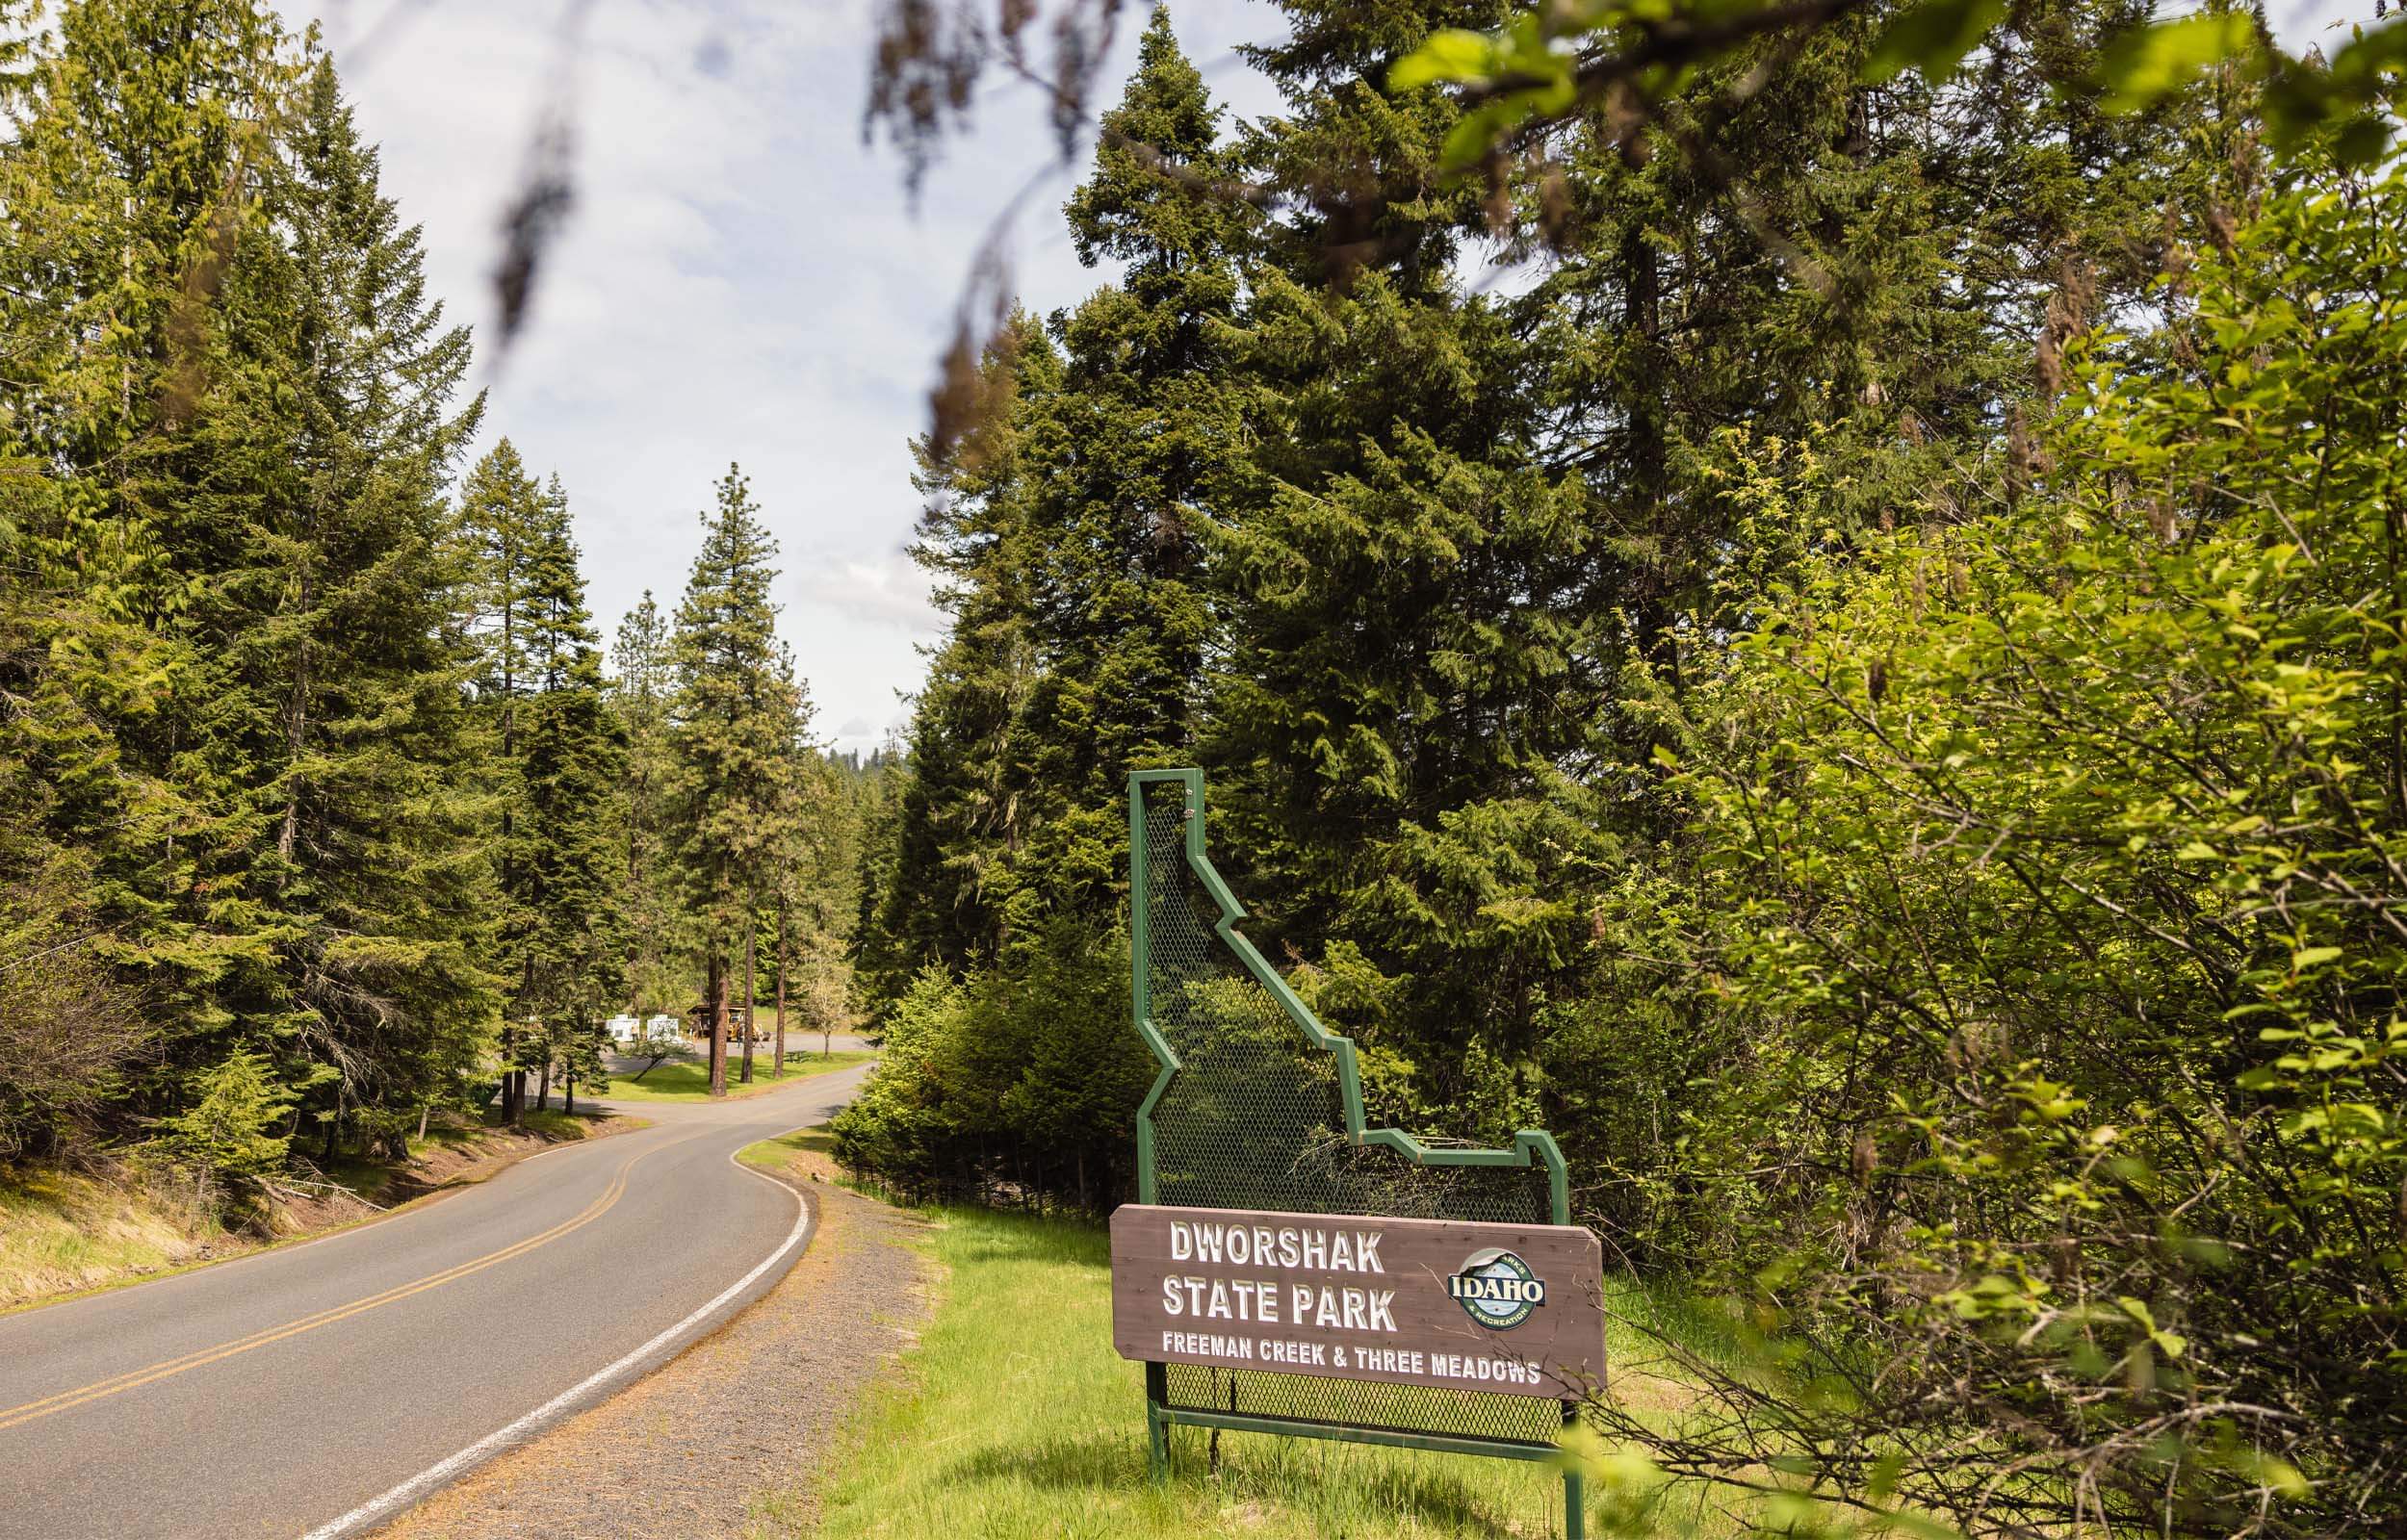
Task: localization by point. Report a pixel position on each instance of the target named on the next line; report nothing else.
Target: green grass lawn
(692, 1082)
(558, 1126)
(1014, 1418)
(776, 1154)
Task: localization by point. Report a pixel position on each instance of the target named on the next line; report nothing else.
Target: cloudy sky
(742, 279)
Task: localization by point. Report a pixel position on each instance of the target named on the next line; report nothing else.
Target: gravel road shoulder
(724, 1442)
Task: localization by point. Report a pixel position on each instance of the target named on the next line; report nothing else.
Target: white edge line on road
(437, 1475)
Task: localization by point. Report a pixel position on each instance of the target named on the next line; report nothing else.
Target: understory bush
(2020, 1013)
(229, 1133)
(1020, 1085)
(68, 1027)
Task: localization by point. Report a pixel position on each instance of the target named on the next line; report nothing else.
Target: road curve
(284, 1394)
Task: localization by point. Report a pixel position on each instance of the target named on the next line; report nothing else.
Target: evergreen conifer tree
(737, 716)
(970, 795)
(1489, 539)
(316, 462)
(560, 854)
(1069, 535)
(1130, 453)
(236, 416)
(643, 688)
(572, 775)
(132, 173)
(500, 520)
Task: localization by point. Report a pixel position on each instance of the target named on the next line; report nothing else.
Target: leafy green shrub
(1021, 1084)
(226, 1131)
(68, 1027)
(2041, 925)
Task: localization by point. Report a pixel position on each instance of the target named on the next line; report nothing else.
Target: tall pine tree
(557, 755)
(643, 685)
(235, 408)
(570, 776)
(731, 735)
(1070, 536)
(134, 170)
(315, 467)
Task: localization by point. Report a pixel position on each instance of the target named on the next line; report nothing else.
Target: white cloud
(891, 592)
(2301, 24)
(741, 279)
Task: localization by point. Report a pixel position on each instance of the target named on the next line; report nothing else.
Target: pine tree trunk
(751, 995)
(543, 1088)
(716, 1010)
(295, 736)
(1642, 320)
(634, 890)
(568, 1095)
(778, 1065)
(513, 1078)
(509, 1076)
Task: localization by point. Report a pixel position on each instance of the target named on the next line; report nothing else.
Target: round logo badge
(1496, 1289)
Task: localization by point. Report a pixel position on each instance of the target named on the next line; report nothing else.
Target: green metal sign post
(1257, 1107)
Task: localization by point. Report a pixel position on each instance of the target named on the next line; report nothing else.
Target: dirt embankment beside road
(63, 1233)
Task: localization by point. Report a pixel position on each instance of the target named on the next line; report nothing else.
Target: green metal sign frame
(1260, 1063)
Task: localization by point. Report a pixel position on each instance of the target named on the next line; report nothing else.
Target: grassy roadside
(65, 1234)
(65, 1231)
(809, 1153)
(692, 1082)
(1015, 1417)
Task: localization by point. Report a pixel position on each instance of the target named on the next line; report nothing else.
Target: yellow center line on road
(133, 1380)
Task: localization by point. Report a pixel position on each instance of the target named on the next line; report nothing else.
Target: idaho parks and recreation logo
(1496, 1289)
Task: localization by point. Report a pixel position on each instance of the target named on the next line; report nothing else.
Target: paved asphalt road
(273, 1395)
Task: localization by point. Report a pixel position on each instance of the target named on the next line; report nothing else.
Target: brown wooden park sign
(1247, 1278)
(1510, 1308)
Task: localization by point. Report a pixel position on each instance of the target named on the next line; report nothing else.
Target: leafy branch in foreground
(1553, 63)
